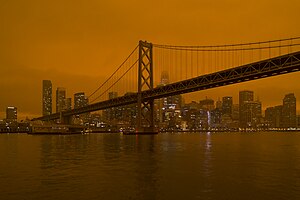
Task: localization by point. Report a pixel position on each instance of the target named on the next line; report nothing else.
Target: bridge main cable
(113, 73)
(217, 47)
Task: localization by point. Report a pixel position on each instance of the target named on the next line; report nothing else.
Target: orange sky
(77, 43)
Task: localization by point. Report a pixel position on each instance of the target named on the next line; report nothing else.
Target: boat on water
(133, 131)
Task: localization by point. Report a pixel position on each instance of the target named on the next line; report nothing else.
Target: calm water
(165, 166)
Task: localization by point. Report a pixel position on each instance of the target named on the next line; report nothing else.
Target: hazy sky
(77, 43)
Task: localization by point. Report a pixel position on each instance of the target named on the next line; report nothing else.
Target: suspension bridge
(191, 68)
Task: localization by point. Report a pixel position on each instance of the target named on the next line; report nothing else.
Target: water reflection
(165, 166)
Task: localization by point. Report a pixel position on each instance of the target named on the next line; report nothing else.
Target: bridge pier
(145, 109)
(65, 119)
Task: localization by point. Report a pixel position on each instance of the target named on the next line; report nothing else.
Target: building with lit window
(68, 104)
(60, 99)
(80, 100)
(227, 106)
(47, 97)
(244, 97)
(11, 114)
(289, 117)
(252, 114)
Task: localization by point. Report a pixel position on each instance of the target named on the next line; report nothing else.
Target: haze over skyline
(78, 44)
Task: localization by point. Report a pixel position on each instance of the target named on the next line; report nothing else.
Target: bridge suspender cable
(116, 81)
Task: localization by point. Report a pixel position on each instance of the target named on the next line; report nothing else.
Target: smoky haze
(77, 44)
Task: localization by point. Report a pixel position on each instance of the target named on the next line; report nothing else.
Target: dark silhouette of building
(60, 99)
(47, 97)
(289, 118)
(235, 112)
(80, 100)
(244, 97)
(252, 113)
(68, 104)
(227, 106)
(168, 109)
(270, 116)
(11, 114)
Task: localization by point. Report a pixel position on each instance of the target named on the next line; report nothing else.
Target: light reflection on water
(164, 166)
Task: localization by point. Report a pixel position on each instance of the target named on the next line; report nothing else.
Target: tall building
(227, 106)
(167, 109)
(11, 114)
(270, 116)
(60, 99)
(47, 97)
(235, 112)
(244, 97)
(273, 116)
(289, 118)
(68, 104)
(278, 116)
(80, 100)
(252, 113)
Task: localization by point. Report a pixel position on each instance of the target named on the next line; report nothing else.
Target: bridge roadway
(266, 68)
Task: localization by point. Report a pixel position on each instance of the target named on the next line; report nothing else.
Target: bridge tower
(145, 109)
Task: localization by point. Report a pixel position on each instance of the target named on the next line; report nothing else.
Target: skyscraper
(47, 97)
(11, 114)
(60, 99)
(270, 116)
(244, 97)
(80, 100)
(68, 104)
(251, 113)
(289, 118)
(227, 106)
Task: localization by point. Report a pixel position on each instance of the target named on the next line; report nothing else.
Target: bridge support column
(65, 119)
(145, 109)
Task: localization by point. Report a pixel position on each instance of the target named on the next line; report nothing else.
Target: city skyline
(228, 102)
(188, 98)
(66, 49)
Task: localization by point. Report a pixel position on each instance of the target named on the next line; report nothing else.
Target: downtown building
(227, 105)
(289, 117)
(47, 98)
(273, 117)
(167, 110)
(122, 116)
(68, 104)
(282, 116)
(250, 111)
(11, 114)
(60, 99)
(80, 100)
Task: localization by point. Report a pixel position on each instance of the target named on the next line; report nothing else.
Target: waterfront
(163, 166)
